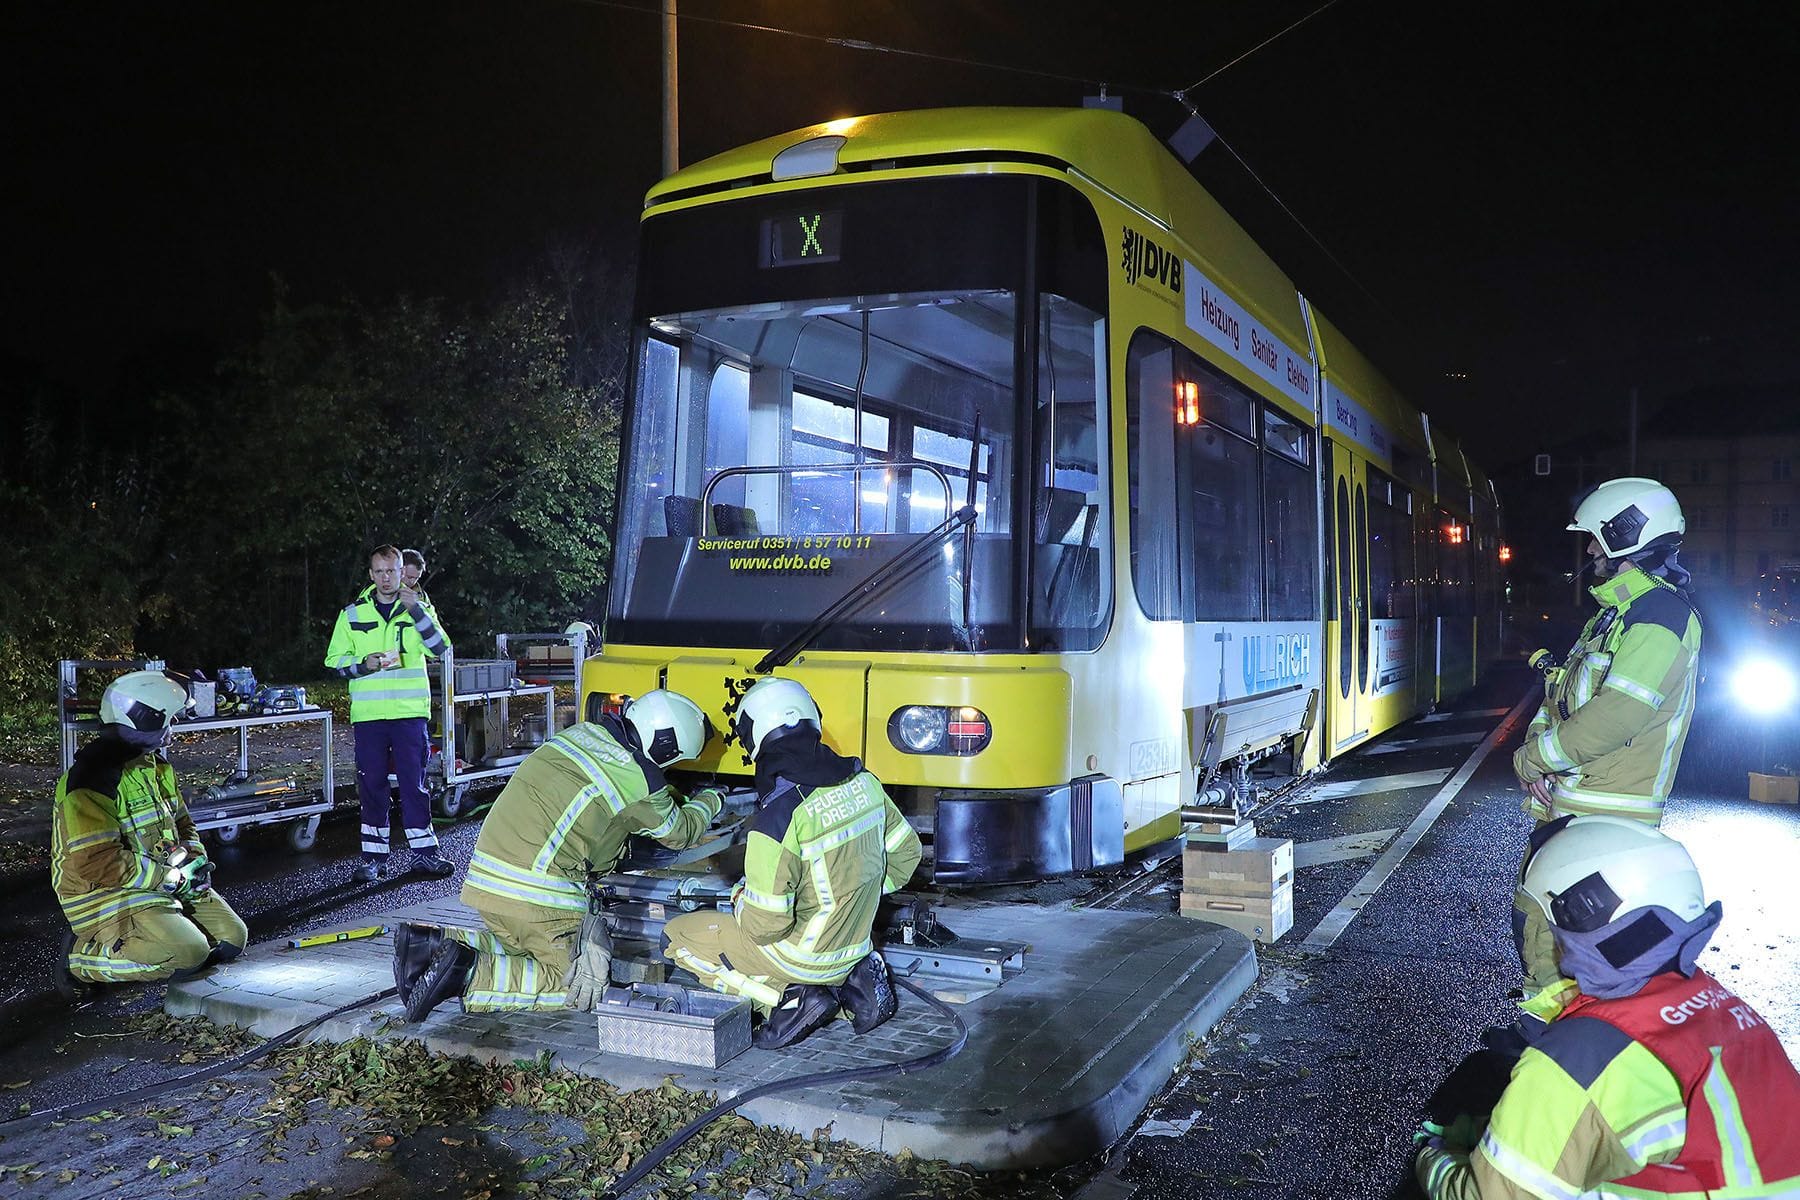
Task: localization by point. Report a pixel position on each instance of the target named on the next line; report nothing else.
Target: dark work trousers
(401, 742)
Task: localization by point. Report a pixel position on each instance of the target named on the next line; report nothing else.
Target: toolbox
(674, 1024)
(483, 675)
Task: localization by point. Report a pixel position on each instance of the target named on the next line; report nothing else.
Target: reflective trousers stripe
(520, 963)
(721, 978)
(88, 913)
(499, 878)
(829, 968)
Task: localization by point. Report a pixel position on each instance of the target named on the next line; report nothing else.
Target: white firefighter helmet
(769, 706)
(1595, 869)
(143, 703)
(670, 727)
(1630, 516)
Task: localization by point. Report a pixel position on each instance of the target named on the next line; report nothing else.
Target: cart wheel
(452, 800)
(228, 835)
(303, 835)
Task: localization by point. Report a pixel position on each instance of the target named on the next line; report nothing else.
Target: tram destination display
(799, 239)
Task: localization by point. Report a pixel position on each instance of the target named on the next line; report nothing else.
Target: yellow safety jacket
(400, 691)
(1615, 717)
(569, 808)
(816, 864)
(118, 811)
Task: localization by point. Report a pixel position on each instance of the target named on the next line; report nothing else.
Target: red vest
(1733, 1073)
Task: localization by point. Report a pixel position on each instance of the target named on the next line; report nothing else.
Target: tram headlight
(1764, 686)
(606, 704)
(919, 728)
(934, 729)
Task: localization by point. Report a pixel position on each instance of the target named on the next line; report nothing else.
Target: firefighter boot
(447, 976)
(803, 1008)
(413, 944)
(868, 993)
(67, 985)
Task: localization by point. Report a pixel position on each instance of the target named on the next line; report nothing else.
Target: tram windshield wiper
(963, 519)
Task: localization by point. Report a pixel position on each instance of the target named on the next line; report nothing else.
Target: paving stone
(1060, 1059)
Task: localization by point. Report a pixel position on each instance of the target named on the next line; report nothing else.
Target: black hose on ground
(643, 1167)
(674, 1142)
(73, 1112)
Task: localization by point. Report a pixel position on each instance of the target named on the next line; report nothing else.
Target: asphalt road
(1314, 1082)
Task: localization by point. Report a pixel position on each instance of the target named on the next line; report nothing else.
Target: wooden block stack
(1248, 887)
(1774, 789)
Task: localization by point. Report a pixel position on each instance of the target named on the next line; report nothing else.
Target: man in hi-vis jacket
(381, 644)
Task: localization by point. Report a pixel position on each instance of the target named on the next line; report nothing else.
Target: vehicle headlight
(934, 729)
(1764, 686)
(919, 728)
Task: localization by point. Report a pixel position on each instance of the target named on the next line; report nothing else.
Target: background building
(1731, 455)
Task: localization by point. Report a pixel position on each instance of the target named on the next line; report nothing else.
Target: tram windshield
(783, 448)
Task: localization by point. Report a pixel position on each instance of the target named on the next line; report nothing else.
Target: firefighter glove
(590, 964)
(1458, 1136)
(711, 799)
(186, 872)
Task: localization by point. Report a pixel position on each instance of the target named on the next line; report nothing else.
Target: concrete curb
(1060, 1061)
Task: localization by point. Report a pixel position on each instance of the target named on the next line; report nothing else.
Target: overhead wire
(874, 47)
(1179, 95)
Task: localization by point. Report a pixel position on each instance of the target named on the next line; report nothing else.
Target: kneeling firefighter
(126, 861)
(1654, 1079)
(564, 814)
(824, 846)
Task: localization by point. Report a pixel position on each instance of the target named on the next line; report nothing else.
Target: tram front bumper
(1031, 833)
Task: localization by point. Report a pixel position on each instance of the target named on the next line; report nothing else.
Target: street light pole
(671, 96)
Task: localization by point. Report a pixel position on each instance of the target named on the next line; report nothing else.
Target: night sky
(1560, 201)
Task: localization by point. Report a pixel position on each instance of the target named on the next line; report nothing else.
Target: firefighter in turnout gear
(1654, 1080)
(1615, 716)
(824, 846)
(380, 645)
(564, 814)
(126, 861)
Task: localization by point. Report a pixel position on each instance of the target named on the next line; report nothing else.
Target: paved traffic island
(1059, 1062)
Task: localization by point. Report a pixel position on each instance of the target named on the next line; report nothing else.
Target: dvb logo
(1144, 259)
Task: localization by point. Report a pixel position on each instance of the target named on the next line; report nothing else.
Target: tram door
(1350, 671)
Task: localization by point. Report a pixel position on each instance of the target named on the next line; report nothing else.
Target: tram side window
(823, 435)
(1290, 520)
(1390, 548)
(1222, 525)
(1196, 505)
(1150, 435)
(1454, 565)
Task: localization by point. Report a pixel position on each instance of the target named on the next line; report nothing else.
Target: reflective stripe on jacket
(570, 805)
(1614, 720)
(400, 691)
(1679, 1090)
(816, 865)
(107, 853)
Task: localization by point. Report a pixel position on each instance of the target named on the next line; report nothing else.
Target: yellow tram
(994, 430)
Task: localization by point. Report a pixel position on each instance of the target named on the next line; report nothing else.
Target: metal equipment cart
(223, 810)
(472, 726)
